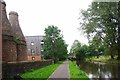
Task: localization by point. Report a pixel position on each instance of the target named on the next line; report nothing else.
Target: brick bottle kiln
(19, 37)
(13, 41)
(9, 51)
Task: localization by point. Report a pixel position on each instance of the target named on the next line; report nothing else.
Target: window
(32, 51)
(33, 58)
(32, 43)
(41, 52)
(42, 42)
(42, 45)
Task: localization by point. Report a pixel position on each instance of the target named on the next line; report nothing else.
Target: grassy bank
(76, 73)
(103, 59)
(42, 73)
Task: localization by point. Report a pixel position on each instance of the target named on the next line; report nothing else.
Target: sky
(36, 15)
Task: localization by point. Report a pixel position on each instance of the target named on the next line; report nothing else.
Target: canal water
(100, 70)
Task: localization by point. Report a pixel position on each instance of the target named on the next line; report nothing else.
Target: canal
(100, 70)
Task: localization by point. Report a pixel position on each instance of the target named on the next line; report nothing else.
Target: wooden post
(0, 41)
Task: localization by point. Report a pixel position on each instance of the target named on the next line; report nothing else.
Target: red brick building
(34, 47)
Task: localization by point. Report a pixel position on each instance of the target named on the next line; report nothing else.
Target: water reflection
(100, 70)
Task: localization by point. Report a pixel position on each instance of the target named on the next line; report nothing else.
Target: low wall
(9, 70)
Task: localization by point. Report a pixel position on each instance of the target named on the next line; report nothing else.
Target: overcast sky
(36, 15)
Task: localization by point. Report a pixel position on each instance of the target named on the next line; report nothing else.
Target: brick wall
(0, 42)
(21, 52)
(9, 50)
(11, 69)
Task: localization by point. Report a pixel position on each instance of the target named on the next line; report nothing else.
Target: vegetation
(85, 51)
(103, 59)
(82, 52)
(76, 73)
(75, 48)
(54, 46)
(41, 73)
(100, 22)
(89, 53)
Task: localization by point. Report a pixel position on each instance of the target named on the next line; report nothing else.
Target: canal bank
(76, 73)
(100, 71)
(103, 59)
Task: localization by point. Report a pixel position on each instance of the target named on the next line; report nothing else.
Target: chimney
(8, 44)
(19, 37)
(13, 19)
(6, 27)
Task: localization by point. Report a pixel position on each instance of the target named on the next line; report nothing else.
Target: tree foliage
(100, 23)
(54, 46)
(75, 48)
(81, 55)
(78, 50)
(82, 51)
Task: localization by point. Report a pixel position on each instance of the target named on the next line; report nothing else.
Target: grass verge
(76, 73)
(42, 73)
(103, 59)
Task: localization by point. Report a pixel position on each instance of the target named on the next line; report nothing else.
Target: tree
(75, 48)
(91, 51)
(54, 45)
(81, 54)
(61, 49)
(100, 23)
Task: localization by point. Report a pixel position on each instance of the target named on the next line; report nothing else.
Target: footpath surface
(61, 73)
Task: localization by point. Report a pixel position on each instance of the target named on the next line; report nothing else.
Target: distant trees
(101, 24)
(54, 46)
(75, 48)
(80, 51)
(81, 55)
